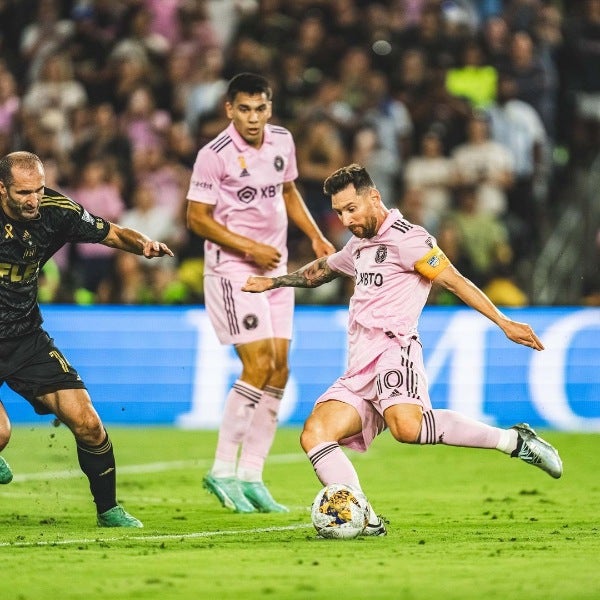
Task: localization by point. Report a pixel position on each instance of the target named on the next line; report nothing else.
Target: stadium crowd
(469, 115)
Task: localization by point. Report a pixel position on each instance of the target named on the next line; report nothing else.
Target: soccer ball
(340, 511)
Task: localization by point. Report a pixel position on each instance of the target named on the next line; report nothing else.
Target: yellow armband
(432, 264)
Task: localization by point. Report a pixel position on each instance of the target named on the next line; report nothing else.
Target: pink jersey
(389, 293)
(245, 184)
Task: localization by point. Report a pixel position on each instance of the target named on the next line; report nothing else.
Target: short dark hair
(353, 174)
(21, 159)
(248, 83)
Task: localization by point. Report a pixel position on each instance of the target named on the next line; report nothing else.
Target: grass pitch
(463, 524)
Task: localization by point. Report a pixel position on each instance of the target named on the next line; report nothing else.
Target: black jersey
(25, 246)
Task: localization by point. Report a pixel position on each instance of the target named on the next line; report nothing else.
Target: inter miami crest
(381, 254)
(278, 163)
(250, 321)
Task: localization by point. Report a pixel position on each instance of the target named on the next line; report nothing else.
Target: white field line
(155, 538)
(156, 467)
(150, 468)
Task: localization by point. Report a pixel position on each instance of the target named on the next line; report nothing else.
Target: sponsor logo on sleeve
(203, 185)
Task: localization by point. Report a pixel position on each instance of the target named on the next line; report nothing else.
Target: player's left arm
(135, 242)
(436, 266)
(300, 215)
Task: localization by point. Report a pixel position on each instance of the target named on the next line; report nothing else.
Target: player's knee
(314, 433)
(258, 369)
(5, 431)
(406, 431)
(89, 430)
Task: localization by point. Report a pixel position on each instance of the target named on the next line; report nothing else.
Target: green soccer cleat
(537, 452)
(6, 474)
(117, 517)
(261, 498)
(229, 493)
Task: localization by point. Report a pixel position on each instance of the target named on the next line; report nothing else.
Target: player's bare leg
(74, 408)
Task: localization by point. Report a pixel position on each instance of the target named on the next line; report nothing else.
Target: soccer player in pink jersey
(241, 194)
(393, 263)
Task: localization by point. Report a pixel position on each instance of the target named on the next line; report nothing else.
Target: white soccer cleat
(376, 529)
(537, 452)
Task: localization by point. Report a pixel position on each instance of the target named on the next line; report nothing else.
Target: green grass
(463, 524)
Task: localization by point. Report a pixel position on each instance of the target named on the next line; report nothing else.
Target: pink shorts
(397, 376)
(241, 317)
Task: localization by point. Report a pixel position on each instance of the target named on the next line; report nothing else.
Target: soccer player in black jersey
(35, 222)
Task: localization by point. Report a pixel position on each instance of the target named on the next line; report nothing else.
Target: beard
(20, 211)
(368, 230)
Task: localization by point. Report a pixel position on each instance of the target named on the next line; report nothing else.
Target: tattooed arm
(311, 275)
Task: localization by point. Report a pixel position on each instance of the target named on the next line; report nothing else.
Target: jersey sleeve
(291, 171)
(420, 252)
(342, 261)
(72, 221)
(206, 177)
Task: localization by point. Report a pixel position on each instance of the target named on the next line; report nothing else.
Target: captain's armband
(432, 264)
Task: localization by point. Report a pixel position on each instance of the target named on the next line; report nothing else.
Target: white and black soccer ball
(340, 511)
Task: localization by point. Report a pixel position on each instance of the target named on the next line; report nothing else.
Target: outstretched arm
(135, 242)
(470, 294)
(311, 275)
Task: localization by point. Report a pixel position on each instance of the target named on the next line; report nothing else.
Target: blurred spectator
(432, 173)
(168, 178)
(517, 126)
(382, 164)
(129, 73)
(319, 153)
(43, 36)
(89, 47)
(207, 88)
(354, 68)
(10, 103)
(138, 41)
(56, 89)
(314, 44)
(473, 79)
(105, 141)
(142, 281)
(327, 102)
(535, 81)
(295, 84)
(246, 55)
(428, 35)
(174, 93)
(495, 36)
(482, 238)
(388, 116)
(95, 262)
(412, 84)
(580, 60)
(142, 122)
(485, 164)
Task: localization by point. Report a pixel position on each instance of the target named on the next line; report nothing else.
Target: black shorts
(33, 366)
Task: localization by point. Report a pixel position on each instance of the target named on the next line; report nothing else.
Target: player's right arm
(311, 275)
(200, 220)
